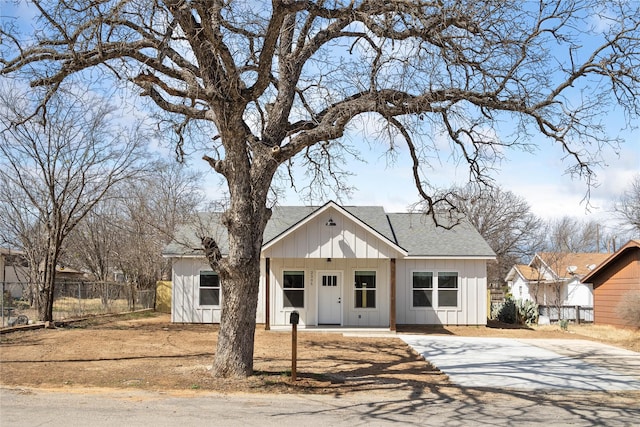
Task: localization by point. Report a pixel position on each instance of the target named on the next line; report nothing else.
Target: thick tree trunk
(234, 353)
(240, 283)
(239, 272)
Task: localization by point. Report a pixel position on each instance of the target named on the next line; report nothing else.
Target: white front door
(330, 298)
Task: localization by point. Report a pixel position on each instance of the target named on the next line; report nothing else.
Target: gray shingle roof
(187, 237)
(416, 233)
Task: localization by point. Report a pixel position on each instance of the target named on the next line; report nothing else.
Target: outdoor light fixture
(330, 223)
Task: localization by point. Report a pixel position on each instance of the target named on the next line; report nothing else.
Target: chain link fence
(72, 300)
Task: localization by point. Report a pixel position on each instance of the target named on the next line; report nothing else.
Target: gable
(525, 272)
(331, 232)
(564, 265)
(626, 258)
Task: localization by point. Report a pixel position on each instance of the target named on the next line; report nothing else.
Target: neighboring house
(67, 274)
(555, 279)
(519, 279)
(613, 281)
(345, 266)
(13, 272)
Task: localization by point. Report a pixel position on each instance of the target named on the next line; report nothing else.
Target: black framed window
(447, 289)
(365, 289)
(209, 288)
(293, 289)
(422, 288)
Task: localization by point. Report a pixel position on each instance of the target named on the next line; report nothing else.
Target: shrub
(505, 312)
(511, 311)
(629, 308)
(528, 312)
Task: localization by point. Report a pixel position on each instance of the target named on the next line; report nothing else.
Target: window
(209, 288)
(365, 289)
(422, 289)
(330, 281)
(447, 289)
(293, 289)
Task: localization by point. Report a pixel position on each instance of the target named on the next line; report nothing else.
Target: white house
(519, 279)
(555, 279)
(13, 272)
(345, 266)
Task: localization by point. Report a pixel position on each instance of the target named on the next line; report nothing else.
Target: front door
(330, 298)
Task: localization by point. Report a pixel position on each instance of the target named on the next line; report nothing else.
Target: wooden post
(267, 292)
(392, 296)
(294, 351)
(577, 314)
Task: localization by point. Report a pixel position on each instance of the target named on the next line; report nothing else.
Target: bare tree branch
(288, 80)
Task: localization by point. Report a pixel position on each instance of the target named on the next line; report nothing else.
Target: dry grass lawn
(147, 351)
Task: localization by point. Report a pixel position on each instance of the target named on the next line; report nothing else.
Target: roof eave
(474, 257)
(631, 244)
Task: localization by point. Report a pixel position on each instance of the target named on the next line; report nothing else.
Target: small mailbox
(294, 318)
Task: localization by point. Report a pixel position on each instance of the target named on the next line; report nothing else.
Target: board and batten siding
(185, 294)
(345, 269)
(472, 285)
(316, 240)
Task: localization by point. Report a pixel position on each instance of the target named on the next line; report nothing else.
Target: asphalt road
(437, 408)
(496, 383)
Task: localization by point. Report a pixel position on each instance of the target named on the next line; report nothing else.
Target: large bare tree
(505, 221)
(286, 79)
(53, 171)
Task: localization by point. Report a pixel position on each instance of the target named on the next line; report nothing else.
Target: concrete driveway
(530, 364)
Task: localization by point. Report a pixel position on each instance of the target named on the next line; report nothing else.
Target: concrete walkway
(530, 364)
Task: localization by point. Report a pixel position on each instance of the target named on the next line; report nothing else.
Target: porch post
(267, 293)
(392, 309)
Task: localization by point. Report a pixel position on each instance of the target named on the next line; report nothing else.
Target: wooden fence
(575, 313)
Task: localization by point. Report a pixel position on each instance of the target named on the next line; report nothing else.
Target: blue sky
(538, 177)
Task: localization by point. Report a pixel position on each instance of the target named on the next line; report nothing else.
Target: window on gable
(209, 288)
(293, 289)
(365, 289)
(447, 289)
(422, 289)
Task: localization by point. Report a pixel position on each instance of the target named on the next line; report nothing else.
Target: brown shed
(613, 280)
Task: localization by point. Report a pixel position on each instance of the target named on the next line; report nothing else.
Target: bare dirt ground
(146, 351)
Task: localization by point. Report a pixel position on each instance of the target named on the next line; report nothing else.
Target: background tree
(127, 232)
(569, 234)
(92, 244)
(152, 208)
(627, 208)
(286, 80)
(505, 221)
(53, 171)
